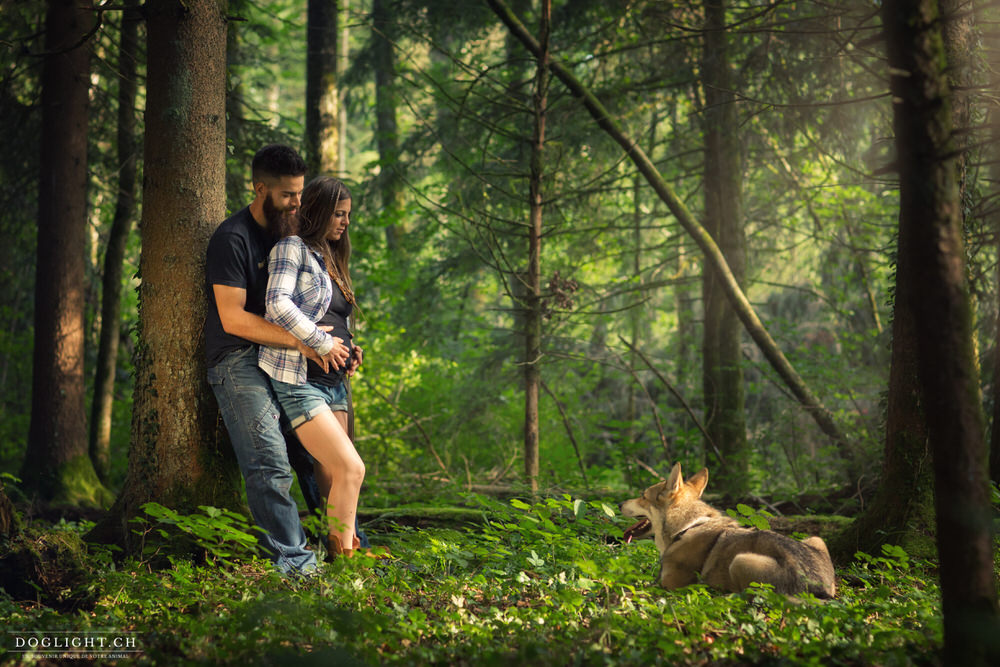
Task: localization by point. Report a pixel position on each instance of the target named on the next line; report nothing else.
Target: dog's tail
(826, 587)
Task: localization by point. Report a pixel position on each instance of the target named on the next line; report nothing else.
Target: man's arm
(237, 321)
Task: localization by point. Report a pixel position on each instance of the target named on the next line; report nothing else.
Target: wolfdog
(694, 539)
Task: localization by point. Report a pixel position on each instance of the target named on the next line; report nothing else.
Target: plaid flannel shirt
(298, 293)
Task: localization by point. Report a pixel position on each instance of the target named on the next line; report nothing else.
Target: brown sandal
(334, 549)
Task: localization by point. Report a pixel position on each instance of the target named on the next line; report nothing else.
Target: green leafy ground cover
(546, 583)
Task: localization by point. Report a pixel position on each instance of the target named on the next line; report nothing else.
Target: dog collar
(680, 533)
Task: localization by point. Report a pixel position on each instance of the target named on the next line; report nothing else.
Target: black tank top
(336, 316)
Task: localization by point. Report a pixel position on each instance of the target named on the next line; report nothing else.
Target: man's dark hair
(275, 161)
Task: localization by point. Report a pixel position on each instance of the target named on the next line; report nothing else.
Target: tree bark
(712, 254)
(114, 254)
(722, 373)
(386, 132)
(343, 52)
(994, 216)
(322, 96)
(57, 467)
(533, 300)
(175, 458)
(10, 522)
(930, 231)
(994, 464)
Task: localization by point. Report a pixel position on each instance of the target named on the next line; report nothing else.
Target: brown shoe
(372, 552)
(334, 549)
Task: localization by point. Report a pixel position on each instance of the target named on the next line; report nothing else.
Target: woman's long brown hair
(320, 199)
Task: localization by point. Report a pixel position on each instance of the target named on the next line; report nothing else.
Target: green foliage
(748, 516)
(220, 535)
(546, 582)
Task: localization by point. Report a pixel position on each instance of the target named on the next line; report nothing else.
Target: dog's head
(652, 506)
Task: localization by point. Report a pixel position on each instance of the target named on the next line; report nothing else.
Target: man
(236, 273)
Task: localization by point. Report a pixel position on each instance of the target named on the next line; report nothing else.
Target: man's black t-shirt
(237, 257)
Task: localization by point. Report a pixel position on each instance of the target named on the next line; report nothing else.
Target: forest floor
(497, 583)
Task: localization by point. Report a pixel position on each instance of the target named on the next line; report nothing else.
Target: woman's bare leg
(339, 471)
(341, 417)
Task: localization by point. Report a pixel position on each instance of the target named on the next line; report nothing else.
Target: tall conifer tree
(57, 467)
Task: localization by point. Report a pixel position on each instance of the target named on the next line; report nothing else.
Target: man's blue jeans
(251, 414)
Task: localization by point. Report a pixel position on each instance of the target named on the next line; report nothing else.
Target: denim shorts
(302, 402)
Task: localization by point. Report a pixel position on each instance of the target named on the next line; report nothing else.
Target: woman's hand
(339, 355)
(356, 360)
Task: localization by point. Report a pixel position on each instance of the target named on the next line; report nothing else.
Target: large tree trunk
(993, 215)
(930, 231)
(175, 459)
(114, 254)
(322, 96)
(533, 300)
(994, 123)
(902, 511)
(386, 132)
(57, 467)
(722, 374)
(710, 250)
(10, 522)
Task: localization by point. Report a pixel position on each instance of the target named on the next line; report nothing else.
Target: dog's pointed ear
(675, 481)
(699, 481)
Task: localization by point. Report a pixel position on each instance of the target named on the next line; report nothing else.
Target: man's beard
(279, 223)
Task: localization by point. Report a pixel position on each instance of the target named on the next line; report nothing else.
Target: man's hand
(356, 360)
(311, 354)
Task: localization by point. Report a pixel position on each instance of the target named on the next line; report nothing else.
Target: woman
(309, 285)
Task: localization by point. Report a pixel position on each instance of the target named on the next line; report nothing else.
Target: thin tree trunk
(322, 96)
(57, 467)
(114, 254)
(635, 313)
(175, 458)
(930, 230)
(343, 53)
(902, 509)
(712, 254)
(722, 373)
(237, 181)
(386, 132)
(533, 300)
(859, 261)
(634, 319)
